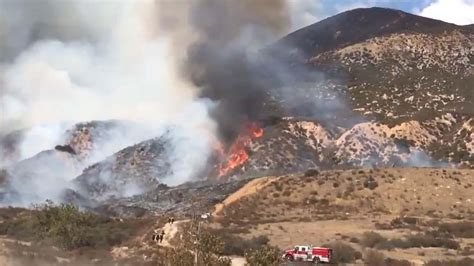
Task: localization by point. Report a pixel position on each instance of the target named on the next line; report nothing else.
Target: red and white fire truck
(308, 253)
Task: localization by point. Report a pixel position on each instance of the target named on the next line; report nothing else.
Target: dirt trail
(170, 232)
(5, 258)
(250, 188)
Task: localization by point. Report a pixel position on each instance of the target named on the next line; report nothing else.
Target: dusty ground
(324, 207)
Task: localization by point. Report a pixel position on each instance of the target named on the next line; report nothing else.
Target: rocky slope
(24, 180)
(367, 87)
(391, 88)
(128, 172)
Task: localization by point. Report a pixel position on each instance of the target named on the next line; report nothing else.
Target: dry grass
(405, 213)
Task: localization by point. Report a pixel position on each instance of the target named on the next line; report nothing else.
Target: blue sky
(455, 11)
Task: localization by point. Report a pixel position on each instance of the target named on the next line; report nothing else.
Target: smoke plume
(82, 61)
(223, 60)
(156, 63)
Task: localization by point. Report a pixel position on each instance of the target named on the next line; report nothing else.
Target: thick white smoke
(118, 64)
(129, 74)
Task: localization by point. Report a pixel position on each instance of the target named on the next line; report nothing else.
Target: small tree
(210, 248)
(265, 256)
(64, 224)
(178, 257)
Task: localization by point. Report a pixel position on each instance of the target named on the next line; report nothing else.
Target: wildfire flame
(237, 154)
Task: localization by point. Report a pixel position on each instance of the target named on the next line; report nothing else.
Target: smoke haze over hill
(201, 71)
(151, 62)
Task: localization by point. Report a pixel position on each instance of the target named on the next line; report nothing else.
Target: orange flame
(237, 153)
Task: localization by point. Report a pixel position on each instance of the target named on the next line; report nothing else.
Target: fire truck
(308, 253)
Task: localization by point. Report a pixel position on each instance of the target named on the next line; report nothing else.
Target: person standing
(156, 235)
(162, 235)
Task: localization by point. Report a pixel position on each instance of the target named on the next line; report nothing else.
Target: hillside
(346, 205)
(394, 90)
(363, 141)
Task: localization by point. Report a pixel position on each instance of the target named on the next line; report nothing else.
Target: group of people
(158, 234)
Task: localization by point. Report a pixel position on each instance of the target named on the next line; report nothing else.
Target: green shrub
(235, 245)
(178, 257)
(264, 256)
(311, 172)
(210, 250)
(66, 227)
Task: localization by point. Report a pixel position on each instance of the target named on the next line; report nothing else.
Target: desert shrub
(394, 243)
(264, 256)
(460, 229)
(349, 190)
(370, 183)
(178, 257)
(311, 172)
(67, 227)
(278, 186)
(409, 220)
(383, 226)
(372, 239)
(311, 200)
(402, 222)
(324, 202)
(354, 240)
(462, 262)
(374, 258)
(20, 227)
(210, 250)
(396, 222)
(10, 213)
(342, 252)
(419, 241)
(466, 251)
(395, 262)
(235, 245)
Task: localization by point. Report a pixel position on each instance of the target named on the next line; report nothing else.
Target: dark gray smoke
(236, 60)
(224, 60)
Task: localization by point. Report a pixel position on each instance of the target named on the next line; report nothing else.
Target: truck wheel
(316, 260)
(289, 258)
